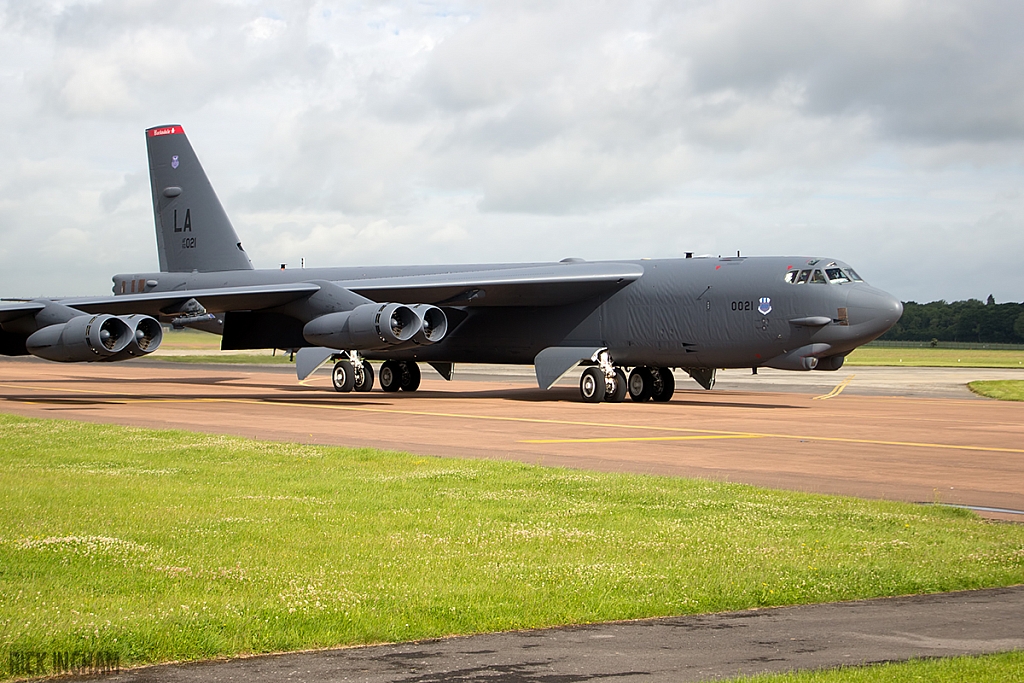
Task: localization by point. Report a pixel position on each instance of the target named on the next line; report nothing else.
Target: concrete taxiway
(848, 436)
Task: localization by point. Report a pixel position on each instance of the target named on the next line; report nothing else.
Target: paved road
(674, 650)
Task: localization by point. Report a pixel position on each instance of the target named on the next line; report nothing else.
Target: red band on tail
(165, 130)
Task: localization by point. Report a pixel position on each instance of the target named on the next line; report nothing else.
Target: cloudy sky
(887, 133)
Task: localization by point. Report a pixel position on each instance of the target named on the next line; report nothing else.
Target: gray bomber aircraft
(643, 317)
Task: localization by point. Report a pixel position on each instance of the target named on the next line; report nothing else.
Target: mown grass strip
(1004, 390)
(164, 545)
(938, 358)
(994, 668)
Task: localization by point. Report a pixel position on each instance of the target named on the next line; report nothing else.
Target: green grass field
(1001, 668)
(1004, 390)
(173, 545)
(941, 358)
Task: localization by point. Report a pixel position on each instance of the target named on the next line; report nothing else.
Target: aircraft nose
(872, 310)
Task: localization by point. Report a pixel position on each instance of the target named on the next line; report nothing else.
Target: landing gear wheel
(664, 385)
(364, 378)
(617, 393)
(592, 385)
(344, 376)
(409, 376)
(641, 384)
(390, 376)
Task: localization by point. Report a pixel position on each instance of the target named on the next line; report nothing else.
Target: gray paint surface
(696, 648)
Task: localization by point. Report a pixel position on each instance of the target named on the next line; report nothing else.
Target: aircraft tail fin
(192, 230)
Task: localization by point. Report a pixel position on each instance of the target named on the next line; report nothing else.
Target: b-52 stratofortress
(629, 322)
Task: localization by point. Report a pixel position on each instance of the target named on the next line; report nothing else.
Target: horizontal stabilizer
(554, 362)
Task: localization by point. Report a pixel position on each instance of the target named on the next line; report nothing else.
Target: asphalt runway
(948, 447)
(674, 650)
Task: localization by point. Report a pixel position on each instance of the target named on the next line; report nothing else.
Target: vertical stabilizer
(192, 230)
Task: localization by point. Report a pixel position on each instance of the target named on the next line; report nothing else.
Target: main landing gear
(352, 373)
(606, 382)
(399, 374)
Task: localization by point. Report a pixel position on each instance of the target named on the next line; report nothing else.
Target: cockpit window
(804, 274)
(836, 275)
(817, 278)
(853, 275)
(791, 276)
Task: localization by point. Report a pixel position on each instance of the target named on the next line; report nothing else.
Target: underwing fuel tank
(377, 326)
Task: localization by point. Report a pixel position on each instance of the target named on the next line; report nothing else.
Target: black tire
(618, 394)
(641, 384)
(410, 376)
(390, 376)
(664, 385)
(364, 382)
(592, 386)
(343, 376)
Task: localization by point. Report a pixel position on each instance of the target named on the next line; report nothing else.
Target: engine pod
(83, 338)
(365, 327)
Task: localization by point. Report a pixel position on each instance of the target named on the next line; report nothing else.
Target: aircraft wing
(214, 300)
(545, 285)
(11, 310)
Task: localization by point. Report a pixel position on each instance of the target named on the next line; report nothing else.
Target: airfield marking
(530, 420)
(617, 439)
(838, 389)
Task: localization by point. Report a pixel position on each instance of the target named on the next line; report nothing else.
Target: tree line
(960, 321)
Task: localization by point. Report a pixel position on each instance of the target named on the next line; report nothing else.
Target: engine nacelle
(147, 333)
(433, 324)
(83, 338)
(365, 327)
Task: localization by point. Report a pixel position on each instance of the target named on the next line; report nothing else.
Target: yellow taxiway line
(533, 420)
(838, 389)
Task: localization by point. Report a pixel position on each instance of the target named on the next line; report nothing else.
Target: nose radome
(880, 310)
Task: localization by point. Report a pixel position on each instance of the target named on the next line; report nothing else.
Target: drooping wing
(214, 300)
(11, 310)
(545, 285)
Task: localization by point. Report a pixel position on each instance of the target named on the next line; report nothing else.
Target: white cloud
(887, 133)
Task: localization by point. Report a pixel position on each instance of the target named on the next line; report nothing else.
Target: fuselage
(689, 313)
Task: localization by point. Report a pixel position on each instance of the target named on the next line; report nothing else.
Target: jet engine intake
(147, 333)
(365, 327)
(433, 324)
(83, 338)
